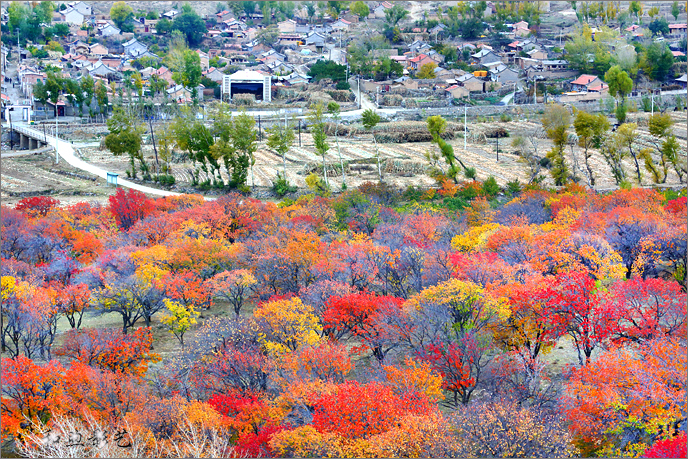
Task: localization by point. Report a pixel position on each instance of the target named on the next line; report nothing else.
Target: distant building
(82, 7)
(682, 80)
(72, 16)
(588, 83)
(247, 82)
(108, 30)
(134, 48)
(457, 92)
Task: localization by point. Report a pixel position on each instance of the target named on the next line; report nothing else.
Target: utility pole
(653, 103)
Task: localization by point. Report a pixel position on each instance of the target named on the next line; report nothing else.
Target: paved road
(65, 151)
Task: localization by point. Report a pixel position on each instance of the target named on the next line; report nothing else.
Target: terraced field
(403, 164)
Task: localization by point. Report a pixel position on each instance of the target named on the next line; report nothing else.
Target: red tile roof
(418, 58)
(677, 26)
(584, 79)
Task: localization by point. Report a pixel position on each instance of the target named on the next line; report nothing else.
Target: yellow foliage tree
(180, 318)
(290, 324)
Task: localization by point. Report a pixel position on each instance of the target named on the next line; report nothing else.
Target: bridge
(29, 140)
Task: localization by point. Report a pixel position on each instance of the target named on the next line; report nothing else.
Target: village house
(223, 16)
(379, 10)
(180, 94)
(471, 83)
(682, 80)
(134, 48)
(171, 14)
(503, 74)
(340, 24)
(82, 7)
(538, 54)
(108, 30)
(98, 50)
(288, 39)
(677, 30)
(485, 56)
(205, 60)
(213, 74)
(588, 83)
(287, 26)
(102, 70)
(72, 16)
(417, 62)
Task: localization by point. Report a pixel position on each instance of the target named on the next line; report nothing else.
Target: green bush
(455, 204)
(281, 186)
(413, 193)
(343, 85)
(470, 173)
(490, 187)
(513, 187)
(166, 179)
(504, 118)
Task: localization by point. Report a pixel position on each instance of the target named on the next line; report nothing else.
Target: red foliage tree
(361, 410)
(128, 207)
(362, 315)
(672, 447)
(109, 349)
(37, 205)
(647, 309)
(575, 307)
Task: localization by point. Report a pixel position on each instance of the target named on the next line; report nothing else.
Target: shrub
(504, 118)
(513, 187)
(281, 186)
(413, 193)
(470, 173)
(317, 185)
(37, 205)
(490, 187)
(342, 86)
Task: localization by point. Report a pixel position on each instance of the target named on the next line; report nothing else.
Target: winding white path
(65, 150)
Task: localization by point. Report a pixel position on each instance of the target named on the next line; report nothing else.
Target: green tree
(310, 10)
(437, 126)
(244, 140)
(163, 26)
(427, 71)
(664, 141)
(675, 11)
(268, 36)
(591, 131)
(44, 12)
(658, 61)
(327, 69)
(370, 119)
(635, 8)
(18, 14)
(121, 13)
(317, 128)
(579, 51)
(191, 25)
(125, 137)
(395, 14)
(185, 65)
(659, 26)
(360, 9)
(280, 139)
(556, 120)
(619, 82)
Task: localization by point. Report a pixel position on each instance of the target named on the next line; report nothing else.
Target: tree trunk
(341, 161)
(377, 155)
